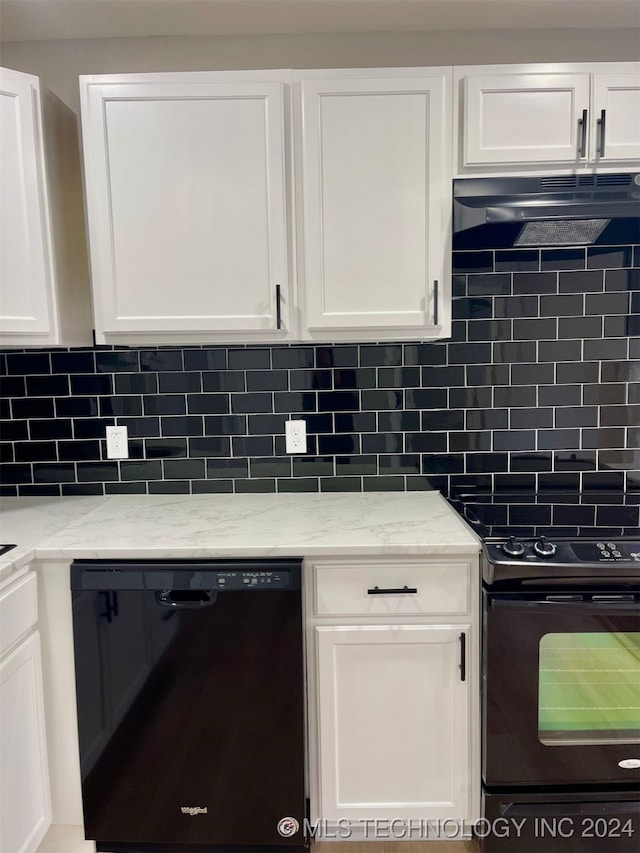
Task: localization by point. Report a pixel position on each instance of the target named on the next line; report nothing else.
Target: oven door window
(589, 688)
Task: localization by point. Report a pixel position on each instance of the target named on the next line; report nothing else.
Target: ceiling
(29, 20)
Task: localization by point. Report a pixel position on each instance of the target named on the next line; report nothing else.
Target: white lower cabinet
(393, 691)
(25, 805)
(393, 722)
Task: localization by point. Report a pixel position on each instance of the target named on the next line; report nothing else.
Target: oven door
(561, 682)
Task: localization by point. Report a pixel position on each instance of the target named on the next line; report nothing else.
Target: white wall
(59, 63)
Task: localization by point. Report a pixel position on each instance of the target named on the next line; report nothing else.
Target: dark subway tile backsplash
(28, 363)
(32, 408)
(44, 386)
(563, 259)
(609, 257)
(539, 387)
(473, 262)
(581, 282)
(45, 430)
(535, 282)
(112, 362)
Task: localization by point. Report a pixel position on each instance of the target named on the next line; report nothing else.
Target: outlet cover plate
(117, 442)
(295, 433)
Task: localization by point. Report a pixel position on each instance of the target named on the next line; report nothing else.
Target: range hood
(558, 210)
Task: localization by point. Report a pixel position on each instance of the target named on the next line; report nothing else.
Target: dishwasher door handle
(185, 599)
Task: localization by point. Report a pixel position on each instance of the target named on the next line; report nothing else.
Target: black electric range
(560, 670)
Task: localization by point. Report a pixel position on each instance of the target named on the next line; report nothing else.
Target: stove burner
(605, 515)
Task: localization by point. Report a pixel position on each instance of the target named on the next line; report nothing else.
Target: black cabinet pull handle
(278, 308)
(435, 302)
(463, 657)
(401, 590)
(602, 129)
(582, 124)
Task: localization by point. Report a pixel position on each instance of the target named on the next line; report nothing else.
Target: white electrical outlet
(295, 433)
(117, 442)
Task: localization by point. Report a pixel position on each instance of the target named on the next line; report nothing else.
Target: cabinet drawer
(18, 610)
(401, 588)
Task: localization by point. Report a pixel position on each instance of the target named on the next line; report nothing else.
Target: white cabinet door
(526, 118)
(186, 191)
(374, 168)
(25, 807)
(44, 275)
(616, 117)
(25, 263)
(393, 718)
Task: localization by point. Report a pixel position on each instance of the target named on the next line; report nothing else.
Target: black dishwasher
(190, 696)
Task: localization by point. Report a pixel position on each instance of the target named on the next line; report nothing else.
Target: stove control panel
(542, 550)
(607, 551)
(525, 549)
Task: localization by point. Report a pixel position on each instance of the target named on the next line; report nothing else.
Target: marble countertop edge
(13, 561)
(250, 552)
(231, 527)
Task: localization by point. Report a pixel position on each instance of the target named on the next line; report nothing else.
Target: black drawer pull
(402, 590)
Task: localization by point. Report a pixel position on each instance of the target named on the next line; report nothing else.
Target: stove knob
(544, 548)
(513, 548)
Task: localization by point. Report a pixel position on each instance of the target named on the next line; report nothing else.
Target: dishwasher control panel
(187, 575)
(252, 580)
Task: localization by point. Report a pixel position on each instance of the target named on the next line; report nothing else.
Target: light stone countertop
(30, 522)
(231, 526)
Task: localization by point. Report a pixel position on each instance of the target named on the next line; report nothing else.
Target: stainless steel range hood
(563, 210)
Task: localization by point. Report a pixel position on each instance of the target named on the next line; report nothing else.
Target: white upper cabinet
(520, 118)
(187, 200)
(615, 108)
(44, 280)
(374, 200)
(190, 193)
(545, 117)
